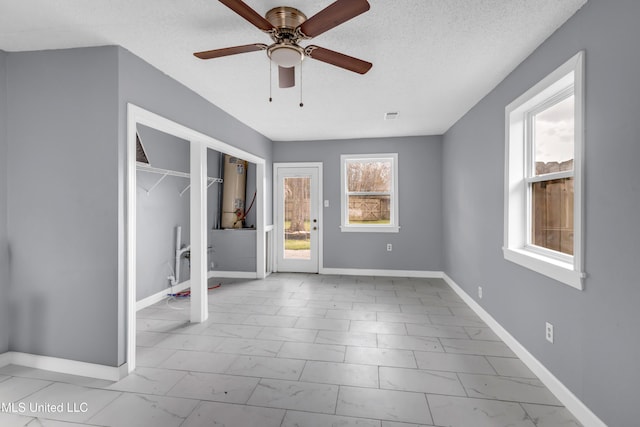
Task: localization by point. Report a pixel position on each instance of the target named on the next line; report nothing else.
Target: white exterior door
(298, 216)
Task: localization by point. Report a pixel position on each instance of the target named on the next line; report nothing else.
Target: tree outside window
(369, 192)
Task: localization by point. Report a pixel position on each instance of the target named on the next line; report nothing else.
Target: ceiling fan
(287, 26)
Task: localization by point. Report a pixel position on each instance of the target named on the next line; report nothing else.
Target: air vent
(141, 155)
(391, 115)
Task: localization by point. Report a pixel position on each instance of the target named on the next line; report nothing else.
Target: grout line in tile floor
(461, 378)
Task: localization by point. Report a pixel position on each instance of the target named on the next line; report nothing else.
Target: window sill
(370, 229)
(558, 270)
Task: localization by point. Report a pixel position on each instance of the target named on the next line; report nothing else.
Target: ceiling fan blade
(217, 53)
(242, 9)
(338, 59)
(332, 16)
(286, 77)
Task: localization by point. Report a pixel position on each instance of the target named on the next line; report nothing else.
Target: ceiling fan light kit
(286, 55)
(287, 26)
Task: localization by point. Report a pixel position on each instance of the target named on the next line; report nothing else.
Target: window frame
(394, 225)
(519, 177)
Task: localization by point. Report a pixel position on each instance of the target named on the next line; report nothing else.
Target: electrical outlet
(480, 292)
(549, 332)
(326, 203)
(389, 247)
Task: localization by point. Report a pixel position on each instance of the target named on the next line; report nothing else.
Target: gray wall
(4, 244)
(233, 250)
(160, 211)
(418, 245)
(63, 203)
(596, 351)
(65, 165)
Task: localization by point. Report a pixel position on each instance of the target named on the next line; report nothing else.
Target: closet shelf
(168, 172)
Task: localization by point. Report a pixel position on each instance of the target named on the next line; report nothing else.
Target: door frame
(276, 219)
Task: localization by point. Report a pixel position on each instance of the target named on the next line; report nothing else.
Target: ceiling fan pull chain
(270, 80)
(301, 104)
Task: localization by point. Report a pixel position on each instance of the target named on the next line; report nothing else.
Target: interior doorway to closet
(177, 238)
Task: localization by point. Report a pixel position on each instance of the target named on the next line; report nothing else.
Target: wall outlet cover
(549, 332)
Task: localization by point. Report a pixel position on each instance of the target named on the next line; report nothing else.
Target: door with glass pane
(297, 217)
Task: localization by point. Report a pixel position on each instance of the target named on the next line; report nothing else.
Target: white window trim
(394, 227)
(565, 269)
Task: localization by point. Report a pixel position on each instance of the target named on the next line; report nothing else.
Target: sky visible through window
(554, 132)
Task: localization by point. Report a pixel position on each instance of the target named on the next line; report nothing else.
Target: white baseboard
(382, 273)
(159, 296)
(564, 395)
(233, 274)
(64, 366)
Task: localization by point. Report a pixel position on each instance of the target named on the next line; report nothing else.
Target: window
(543, 175)
(369, 188)
(550, 174)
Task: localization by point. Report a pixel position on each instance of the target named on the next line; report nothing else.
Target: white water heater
(233, 191)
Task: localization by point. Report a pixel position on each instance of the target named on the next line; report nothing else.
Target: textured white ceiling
(432, 59)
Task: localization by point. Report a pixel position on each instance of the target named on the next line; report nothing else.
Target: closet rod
(168, 172)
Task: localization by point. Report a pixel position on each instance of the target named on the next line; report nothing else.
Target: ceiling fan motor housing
(285, 51)
(286, 19)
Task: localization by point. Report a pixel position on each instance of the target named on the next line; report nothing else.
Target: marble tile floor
(302, 350)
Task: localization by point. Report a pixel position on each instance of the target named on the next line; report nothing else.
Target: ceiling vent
(391, 115)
